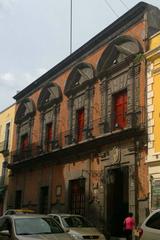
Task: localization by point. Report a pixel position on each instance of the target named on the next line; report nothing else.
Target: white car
(18, 211)
(31, 227)
(150, 229)
(79, 227)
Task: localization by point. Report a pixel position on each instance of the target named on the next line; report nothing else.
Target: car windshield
(39, 225)
(75, 221)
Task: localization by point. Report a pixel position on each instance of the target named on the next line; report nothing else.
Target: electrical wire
(111, 8)
(124, 4)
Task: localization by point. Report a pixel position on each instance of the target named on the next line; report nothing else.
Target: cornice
(153, 53)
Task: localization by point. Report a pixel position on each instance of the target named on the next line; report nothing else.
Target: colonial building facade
(153, 105)
(6, 140)
(81, 132)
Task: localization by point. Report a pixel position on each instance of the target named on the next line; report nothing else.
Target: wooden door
(80, 124)
(120, 109)
(77, 196)
(24, 142)
(44, 197)
(49, 137)
(49, 132)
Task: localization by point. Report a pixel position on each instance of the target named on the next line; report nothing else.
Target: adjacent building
(6, 140)
(153, 106)
(80, 130)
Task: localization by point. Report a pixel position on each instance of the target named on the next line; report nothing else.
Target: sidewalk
(117, 238)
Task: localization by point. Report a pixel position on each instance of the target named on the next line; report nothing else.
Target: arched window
(119, 74)
(49, 106)
(79, 90)
(119, 50)
(25, 111)
(24, 123)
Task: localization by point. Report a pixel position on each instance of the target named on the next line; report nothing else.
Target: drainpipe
(136, 149)
(90, 175)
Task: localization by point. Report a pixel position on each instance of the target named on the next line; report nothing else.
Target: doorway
(117, 199)
(77, 196)
(18, 199)
(43, 205)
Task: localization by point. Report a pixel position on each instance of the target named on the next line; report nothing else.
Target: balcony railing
(95, 129)
(4, 147)
(2, 180)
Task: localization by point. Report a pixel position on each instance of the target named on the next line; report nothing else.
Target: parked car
(18, 211)
(150, 229)
(79, 227)
(31, 227)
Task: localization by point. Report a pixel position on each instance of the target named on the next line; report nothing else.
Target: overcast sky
(35, 36)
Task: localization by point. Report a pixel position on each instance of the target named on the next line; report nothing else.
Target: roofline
(153, 53)
(105, 34)
(7, 108)
(154, 35)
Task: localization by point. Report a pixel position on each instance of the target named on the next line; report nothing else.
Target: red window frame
(80, 124)
(49, 132)
(24, 142)
(120, 109)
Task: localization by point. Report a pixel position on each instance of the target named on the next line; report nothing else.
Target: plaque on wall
(115, 155)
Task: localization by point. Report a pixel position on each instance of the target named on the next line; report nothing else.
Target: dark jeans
(128, 234)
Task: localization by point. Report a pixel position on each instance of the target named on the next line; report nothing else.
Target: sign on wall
(155, 194)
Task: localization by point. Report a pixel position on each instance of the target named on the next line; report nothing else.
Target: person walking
(129, 224)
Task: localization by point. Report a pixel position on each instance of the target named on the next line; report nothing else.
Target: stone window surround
(80, 96)
(49, 112)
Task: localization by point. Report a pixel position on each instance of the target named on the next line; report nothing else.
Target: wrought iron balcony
(2, 180)
(129, 120)
(33, 150)
(4, 147)
(134, 121)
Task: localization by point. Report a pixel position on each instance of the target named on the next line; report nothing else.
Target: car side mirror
(5, 233)
(66, 230)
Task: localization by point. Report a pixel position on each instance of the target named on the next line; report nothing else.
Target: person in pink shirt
(129, 224)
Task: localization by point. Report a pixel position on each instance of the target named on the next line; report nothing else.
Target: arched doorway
(117, 199)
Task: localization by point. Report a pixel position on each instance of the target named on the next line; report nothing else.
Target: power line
(124, 4)
(111, 8)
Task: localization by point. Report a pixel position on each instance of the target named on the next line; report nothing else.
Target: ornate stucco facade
(6, 141)
(153, 108)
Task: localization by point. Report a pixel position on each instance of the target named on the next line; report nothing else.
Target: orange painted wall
(57, 174)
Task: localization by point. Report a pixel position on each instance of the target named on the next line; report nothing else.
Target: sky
(35, 36)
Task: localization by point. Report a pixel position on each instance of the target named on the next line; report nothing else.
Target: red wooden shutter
(24, 142)
(49, 132)
(80, 124)
(121, 109)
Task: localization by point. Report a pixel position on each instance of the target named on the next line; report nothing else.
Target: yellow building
(6, 139)
(153, 106)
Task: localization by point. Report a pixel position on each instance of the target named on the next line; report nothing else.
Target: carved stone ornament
(115, 155)
(80, 76)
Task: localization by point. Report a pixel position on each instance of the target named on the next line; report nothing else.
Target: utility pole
(70, 26)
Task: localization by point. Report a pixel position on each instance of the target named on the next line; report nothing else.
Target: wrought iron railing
(2, 180)
(97, 128)
(4, 147)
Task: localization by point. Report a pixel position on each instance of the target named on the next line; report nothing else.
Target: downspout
(145, 115)
(90, 178)
(142, 112)
(70, 108)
